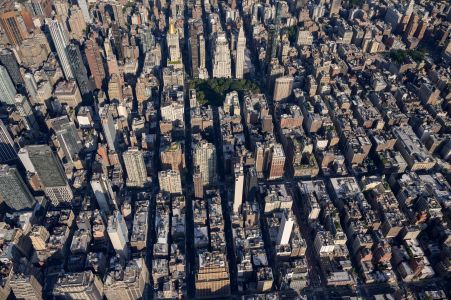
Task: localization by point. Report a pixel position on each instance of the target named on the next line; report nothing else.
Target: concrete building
(95, 61)
(240, 58)
(286, 226)
(67, 92)
(109, 129)
(39, 237)
(118, 233)
(283, 88)
(13, 190)
(136, 168)
(276, 162)
(170, 181)
(26, 282)
(205, 159)
(222, 66)
(239, 188)
(8, 151)
(61, 41)
(83, 285)
(7, 89)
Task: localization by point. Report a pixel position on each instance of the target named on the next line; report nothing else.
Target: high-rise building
(95, 61)
(118, 233)
(136, 168)
(26, 281)
(239, 188)
(85, 10)
(212, 276)
(283, 88)
(67, 136)
(7, 88)
(198, 185)
(115, 87)
(77, 24)
(128, 283)
(103, 192)
(276, 162)
(61, 41)
(203, 74)
(117, 39)
(26, 112)
(49, 170)
(13, 189)
(170, 181)
(222, 66)
(286, 226)
(79, 70)
(13, 24)
(335, 7)
(240, 49)
(109, 130)
(42, 8)
(205, 160)
(8, 60)
(194, 49)
(251, 183)
(39, 237)
(173, 41)
(172, 156)
(8, 150)
(31, 86)
(83, 285)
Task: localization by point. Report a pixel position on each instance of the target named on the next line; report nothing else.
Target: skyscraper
(61, 41)
(26, 112)
(8, 60)
(198, 185)
(239, 186)
(173, 41)
(95, 61)
(8, 151)
(170, 181)
(26, 281)
(136, 168)
(67, 136)
(205, 160)
(7, 89)
(85, 10)
(283, 88)
(221, 57)
(79, 70)
(240, 48)
(83, 285)
(31, 86)
(49, 170)
(102, 191)
(117, 38)
(118, 233)
(13, 189)
(286, 226)
(109, 130)
(13, 25)
(276, 162)
(335, 7)
(194, 49)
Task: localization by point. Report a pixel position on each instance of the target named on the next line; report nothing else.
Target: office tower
(212, 276)
(67, 92)
(39, 237)
(85, 10)
(8, 60)
(61, 8)
(240, 48)
(109, 130)
(82, 285)
(282, 88)
(198, 185)
(32, 87)
(143, 88)
(61, 41)
(26, 112)
(117, 39)
(49, 170)
(170, 181)
(67, 136)
(7, 89)
(221, 57)
(203, 74)
(79, 70)
(103, 192)
(286, 226)
(205, 160)
(335, 7)
(239, 186)
(194, 49)
(136, 168)
(13, 24)
(250, 183)
(259, 154)
(118, 233)
(26, 281)
(41, 8)
(8, 151)
(77, 24)
(276, 162)
(115, 87)
(128, 283)
(118, 11)
(13, 189)
(95, 61)
(173, 41)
